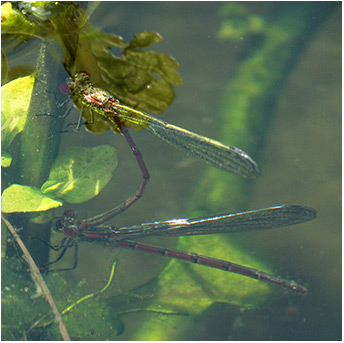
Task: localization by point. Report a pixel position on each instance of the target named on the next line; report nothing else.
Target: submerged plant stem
(39, 146)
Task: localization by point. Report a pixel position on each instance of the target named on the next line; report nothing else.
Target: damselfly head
(68, 224)
(70, 214)
(82, 75)
(81, 79)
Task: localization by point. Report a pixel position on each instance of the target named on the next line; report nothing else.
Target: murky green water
(300, 160)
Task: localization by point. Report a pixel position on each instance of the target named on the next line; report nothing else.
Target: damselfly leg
(130, 201)
(64, 245)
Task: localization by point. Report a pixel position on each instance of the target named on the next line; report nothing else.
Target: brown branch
(38, 279)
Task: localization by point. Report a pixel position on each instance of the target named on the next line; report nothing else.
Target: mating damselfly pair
(227, 158)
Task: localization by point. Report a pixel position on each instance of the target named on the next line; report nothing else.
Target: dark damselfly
(260, 219)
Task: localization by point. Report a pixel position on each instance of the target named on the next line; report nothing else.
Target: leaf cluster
(139, 78)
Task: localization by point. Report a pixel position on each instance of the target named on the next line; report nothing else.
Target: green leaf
(18, 198)
(38, 18)
(151, 62)
(138, 78)
(145, 38)
(15, 22)
(15, 101)
(6, 159)
(80, 173)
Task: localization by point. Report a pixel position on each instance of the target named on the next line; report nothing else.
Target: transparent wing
(228, 158)
(261, 219)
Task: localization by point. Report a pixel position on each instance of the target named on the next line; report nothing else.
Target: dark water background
(300, 163)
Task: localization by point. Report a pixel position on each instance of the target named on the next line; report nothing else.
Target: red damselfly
(228, 158)
(260, 219)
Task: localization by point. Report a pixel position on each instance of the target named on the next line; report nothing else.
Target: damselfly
(224, 157)
(260, 219)
(228, 158)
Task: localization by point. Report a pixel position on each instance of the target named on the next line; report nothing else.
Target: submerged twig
(38, 279)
